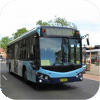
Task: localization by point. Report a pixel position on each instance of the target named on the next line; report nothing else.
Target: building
(95, 51)
(90, 53)
(2, 53)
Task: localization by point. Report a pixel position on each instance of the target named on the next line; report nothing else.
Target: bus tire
(10, 69)
(25, 76)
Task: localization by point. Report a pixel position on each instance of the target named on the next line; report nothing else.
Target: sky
(16, 14)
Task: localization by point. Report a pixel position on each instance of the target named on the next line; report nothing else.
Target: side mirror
(87, 41)
(33, 66)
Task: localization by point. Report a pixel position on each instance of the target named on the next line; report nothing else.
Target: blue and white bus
(47, 54)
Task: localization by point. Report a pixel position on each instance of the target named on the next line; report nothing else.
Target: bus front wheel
(25, 77)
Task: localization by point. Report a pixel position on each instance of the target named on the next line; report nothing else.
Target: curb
(92, 74)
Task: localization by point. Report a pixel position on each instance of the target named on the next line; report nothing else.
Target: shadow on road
(46, 87)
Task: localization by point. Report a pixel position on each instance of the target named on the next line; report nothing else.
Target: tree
(19, 33)
(42, 23)
(4, 41)
(57, 22)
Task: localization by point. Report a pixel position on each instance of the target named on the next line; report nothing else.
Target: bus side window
(24, 54)
(34, 51)
(28, 53)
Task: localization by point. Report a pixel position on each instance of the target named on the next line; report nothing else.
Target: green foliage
(42, 23)
(60, 21)
(57, 22)
(4, 41)
(19, 33)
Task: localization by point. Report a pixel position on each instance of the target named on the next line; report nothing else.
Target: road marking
(3, 88)
(88, 92)
(4, 77)
(93, 79)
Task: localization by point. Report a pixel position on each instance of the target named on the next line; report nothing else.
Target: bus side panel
(12, 64)
(20, 65)
(30, 72)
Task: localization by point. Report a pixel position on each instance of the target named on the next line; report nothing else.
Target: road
(13, 87)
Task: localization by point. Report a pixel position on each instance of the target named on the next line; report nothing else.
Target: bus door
(75, 51)
(15, 59)
(32, 57)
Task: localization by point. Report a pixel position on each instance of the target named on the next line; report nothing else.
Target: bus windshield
(59, 51)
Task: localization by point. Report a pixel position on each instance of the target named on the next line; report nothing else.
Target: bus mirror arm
(87, 41)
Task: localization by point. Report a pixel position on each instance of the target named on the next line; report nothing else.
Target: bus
(47, 54)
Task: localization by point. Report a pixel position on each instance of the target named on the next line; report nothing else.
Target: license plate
(63, 80)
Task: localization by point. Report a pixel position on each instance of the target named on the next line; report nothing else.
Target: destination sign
(59, 32)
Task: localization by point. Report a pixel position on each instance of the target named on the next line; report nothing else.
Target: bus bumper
(59, 80)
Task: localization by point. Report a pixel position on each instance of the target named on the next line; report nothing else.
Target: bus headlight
(79, 75)
(46, 77)
(81, 78)
(43, 76)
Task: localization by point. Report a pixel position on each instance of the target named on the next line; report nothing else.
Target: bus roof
(60, 27)
(34, 30)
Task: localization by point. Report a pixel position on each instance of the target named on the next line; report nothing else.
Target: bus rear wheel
(25, 77)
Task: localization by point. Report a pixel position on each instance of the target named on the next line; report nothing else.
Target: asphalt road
(13, 87)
